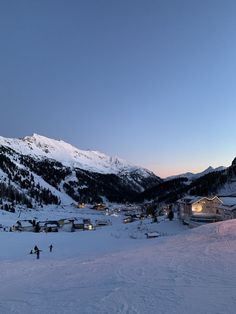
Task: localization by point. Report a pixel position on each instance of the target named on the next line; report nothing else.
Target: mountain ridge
(220, 181)
(67, 154)
(36, 170)
(42, 170)
(193, 176)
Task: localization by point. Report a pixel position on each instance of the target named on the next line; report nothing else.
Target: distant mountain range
(220, 181)
(193, 176)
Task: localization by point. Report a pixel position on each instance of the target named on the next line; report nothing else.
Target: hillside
(219, 181)
(37, 170)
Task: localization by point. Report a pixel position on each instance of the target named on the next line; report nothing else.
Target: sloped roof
(194, 199)
(24, 223)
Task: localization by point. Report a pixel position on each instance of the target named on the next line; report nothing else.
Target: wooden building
(198, 210)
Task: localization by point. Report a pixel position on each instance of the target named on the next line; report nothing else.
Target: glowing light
(197, 208)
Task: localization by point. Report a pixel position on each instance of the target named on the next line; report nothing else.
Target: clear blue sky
(153, 82)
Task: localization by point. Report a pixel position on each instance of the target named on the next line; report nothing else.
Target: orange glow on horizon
(164, 172)
(168, 169)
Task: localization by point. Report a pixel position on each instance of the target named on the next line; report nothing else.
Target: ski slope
(108, 271)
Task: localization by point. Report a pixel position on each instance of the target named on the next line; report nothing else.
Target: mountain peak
(43, 147)
(37, 138)
(42, 164)
(234, 162)
(210, 168)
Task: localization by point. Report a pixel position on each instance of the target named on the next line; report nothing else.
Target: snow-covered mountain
(39, 146)
(38, 166)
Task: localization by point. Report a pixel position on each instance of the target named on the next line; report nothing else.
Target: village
(191, 211)
(79, 217)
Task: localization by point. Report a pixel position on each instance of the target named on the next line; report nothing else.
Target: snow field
(108, 271)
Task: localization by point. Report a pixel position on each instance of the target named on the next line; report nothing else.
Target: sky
(152, 82)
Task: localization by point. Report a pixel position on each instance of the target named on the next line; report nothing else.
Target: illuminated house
(196, 210)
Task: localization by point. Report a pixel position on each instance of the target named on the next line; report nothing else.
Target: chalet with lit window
(198, 210)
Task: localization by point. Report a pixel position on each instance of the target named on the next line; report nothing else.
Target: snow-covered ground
(115, 269)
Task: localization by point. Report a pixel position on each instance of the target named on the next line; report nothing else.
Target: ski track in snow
(97, 273)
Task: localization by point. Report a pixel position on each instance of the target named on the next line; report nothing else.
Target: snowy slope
(41, 146)
(95, 272)
(228, 189)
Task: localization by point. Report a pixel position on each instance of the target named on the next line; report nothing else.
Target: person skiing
(37, 253)
(36, 249)
(50, 248)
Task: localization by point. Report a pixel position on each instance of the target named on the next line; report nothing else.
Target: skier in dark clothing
(50, 248)
(37, 253)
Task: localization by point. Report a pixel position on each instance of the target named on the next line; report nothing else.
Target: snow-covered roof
(193, 199)
(24, 223)
(152, 234)
(51, 225)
